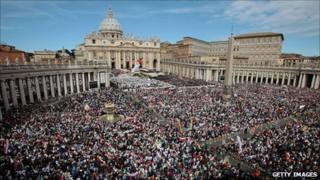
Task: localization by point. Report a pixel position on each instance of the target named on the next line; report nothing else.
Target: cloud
(290, 17)
(212, 9)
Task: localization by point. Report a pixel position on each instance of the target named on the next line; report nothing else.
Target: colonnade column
(51, 86)
(242, 77)
(251, 80)
(294, 80)
(65, 84)
(283, 78)
(38, 89)
(22, 94)
(44, 86)
(314, 78)
(77, 82)
(257, 77)
(272, 74)
(316, 84)
(13, 93)
(277, 81)
(289, 79)
(267, 78)
(303, 84)
(5, 94)
(30, 91)
(58, 85)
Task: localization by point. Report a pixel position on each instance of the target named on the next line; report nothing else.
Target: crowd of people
(131, 82)
(181, 81)
(204, 108)
(292, 148)
(66, 140)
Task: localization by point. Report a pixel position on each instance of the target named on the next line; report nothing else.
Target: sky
(36, 25)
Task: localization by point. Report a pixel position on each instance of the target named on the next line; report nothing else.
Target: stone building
(44, 56)
(109, 45)
(252, 48)
(10, 55)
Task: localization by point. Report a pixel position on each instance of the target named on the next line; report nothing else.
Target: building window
(112, 35)
(155, 44)
(93, 41)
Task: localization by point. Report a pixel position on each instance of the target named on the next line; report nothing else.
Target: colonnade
(291, 77)
(37, 87)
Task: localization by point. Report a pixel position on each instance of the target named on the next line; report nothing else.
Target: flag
(6, 146)
(239, 144)
(191, 123)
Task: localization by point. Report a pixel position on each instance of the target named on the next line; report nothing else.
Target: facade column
(98, 79)
(22, 94)
(65, 84)
(144, 59)
(58, 85)
(262, 77)
(13, 93)
(233, 78)
(44, 86)
(83, 83)
(51, 86)
(216, 75)
(5, 95)
(108, 59)
(71, 83)
(208, 75)
(107, 83)
(289, 79)
(158, 61)
(277, 82)
(130, 59)
(251, 80)
(89, 79)
(30, 91)
(38, 89)
(77, 82)
(118, 60)
(238, 78)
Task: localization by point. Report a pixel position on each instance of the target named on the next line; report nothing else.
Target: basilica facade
(111, 46)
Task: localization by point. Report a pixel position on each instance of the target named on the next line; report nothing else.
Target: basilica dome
(110, 23)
